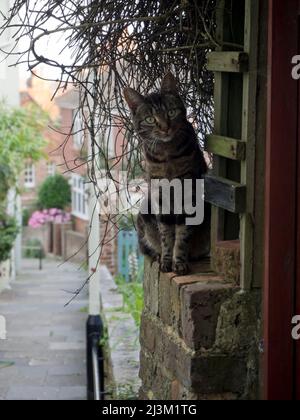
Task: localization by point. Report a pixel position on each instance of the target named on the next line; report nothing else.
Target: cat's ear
(169, 84)
(133, 98)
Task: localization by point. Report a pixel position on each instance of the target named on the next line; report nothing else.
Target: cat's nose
(165, 128)
(163, 125)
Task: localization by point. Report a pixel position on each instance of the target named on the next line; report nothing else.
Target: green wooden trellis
(127, 245)
(230, 189)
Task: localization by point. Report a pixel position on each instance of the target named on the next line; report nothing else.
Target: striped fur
(171, 150)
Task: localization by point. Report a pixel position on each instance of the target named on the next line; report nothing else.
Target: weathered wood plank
(249, 135)
(228, 61)
(225, 194)
(226, 147)
(260, 153)
(220, 126)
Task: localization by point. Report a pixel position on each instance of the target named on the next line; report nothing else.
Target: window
(79, 197)
(51, 168)
(78, 131)
(29, 176)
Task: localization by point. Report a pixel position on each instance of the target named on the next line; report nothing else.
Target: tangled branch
(113, 44)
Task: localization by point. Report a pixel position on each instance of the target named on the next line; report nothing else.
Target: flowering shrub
(56, 216)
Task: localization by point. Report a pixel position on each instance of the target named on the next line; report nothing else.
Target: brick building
(67, 158)
(61, 156)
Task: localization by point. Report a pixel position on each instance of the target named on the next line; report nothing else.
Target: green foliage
(33, 249)
(122, 392)
(25, 217)
(127, 222)
(55, 192)
(126, 392)
(84, 310)
(104, 340)
(8, 233)
(20, 139)
(7, 177)
(6, 364)
(133, 295)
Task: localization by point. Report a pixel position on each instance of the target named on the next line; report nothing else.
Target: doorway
(282, 231)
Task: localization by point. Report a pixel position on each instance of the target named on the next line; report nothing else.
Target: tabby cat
(171, 151)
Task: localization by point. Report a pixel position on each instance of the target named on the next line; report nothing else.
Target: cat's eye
(150, 120)
(172, 113)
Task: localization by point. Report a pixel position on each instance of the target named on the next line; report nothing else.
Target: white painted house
(9, 91)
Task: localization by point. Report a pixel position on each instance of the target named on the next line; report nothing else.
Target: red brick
(169, 291)
(108, 235)
(201, 304)
(151, 287)
(166, 359)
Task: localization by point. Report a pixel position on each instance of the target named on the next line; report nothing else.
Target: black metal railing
(95, 359)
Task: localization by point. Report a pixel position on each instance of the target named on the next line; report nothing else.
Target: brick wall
(74, 247)
(199, 337)
(108, 237)
(42, 234)
(65, 159)
(80, 226)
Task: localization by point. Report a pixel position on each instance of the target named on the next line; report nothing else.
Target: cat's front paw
(155, 259)
(181, 268)
(166, 266)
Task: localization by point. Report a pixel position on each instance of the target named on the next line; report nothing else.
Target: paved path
(45, 340)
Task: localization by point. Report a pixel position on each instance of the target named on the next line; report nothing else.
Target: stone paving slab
(45, 338)
(31, 393)
(123, 338)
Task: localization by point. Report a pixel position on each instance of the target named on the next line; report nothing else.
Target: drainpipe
(94, 330)
(95, 363)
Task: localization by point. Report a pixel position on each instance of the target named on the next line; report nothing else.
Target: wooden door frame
(280, 203)
(297, 287)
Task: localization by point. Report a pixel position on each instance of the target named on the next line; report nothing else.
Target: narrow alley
(43, 356)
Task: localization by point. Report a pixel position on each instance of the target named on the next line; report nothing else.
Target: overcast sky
(49, 47)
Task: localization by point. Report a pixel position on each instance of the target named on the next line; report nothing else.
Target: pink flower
(53, 212)
(56, 216)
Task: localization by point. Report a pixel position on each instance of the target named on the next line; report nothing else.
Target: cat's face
(159, 116)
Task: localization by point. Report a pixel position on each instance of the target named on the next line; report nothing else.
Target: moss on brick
(203, 344)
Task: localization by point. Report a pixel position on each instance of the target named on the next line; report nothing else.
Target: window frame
(29, 176)
(51, 168)
(79, 197)
(78, 129)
